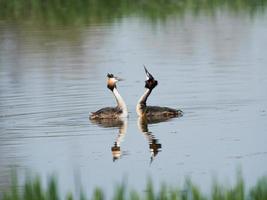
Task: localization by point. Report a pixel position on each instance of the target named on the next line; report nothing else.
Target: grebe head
(112, 80)
(151, 83)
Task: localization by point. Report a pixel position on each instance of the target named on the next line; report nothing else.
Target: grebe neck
(120, 102)
(141, 105)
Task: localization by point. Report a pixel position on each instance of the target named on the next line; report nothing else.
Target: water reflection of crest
(154, 145)
(122, 125)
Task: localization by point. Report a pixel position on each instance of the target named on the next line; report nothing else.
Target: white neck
(143, 98)
(120, 102)
(142, 102)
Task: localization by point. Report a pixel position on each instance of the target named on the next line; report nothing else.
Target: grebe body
(120, 111)
(157, 111)
(154, 111)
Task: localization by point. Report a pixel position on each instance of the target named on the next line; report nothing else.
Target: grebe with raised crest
(120, 111)
(153, 111)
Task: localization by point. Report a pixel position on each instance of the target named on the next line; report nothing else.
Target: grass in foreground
(33, 190)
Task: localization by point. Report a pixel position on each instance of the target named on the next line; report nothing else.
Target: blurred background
(208, 56)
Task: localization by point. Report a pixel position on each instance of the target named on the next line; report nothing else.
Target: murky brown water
(214, 68)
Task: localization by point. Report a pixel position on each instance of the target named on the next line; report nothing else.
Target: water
(211, 67)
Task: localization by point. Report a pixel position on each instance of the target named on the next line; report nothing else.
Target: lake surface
(213, 67)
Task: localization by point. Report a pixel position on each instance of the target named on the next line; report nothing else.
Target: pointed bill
(118, 78)
(148, 75)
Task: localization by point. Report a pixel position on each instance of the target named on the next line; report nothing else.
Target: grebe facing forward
(154, 111)
(117, 112)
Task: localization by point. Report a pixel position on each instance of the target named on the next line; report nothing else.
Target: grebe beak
(148, 75)
(119, 79)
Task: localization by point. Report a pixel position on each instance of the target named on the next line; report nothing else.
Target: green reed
(33, 190)
(92, 11)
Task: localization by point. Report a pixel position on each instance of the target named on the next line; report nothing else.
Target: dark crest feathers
(110, 75)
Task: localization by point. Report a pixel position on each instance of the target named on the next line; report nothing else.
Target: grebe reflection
(116, 148)
(122, 124)
(154, 145)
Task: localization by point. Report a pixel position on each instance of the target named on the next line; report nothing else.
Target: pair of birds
(120, 111)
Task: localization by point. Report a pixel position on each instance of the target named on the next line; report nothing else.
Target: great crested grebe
(120, 111)
(153, 111)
